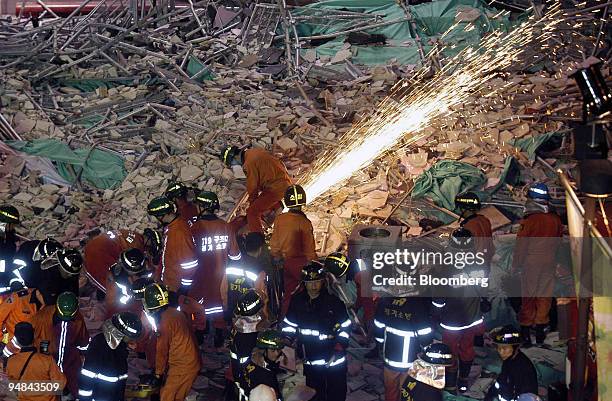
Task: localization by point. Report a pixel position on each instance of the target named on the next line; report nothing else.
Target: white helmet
(262, 393)
(529, 397)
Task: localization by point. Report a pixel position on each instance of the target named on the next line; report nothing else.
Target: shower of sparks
(401, 117)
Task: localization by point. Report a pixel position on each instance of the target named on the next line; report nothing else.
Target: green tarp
(101, 169)
(431, 19)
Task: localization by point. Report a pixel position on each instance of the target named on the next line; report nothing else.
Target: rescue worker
(177, 356)
(32, 366)
(215, 245)
(30, 256)
(245, 274)
(266, 180)
(461, 314)
(63, 327)
(425, 379)
(477, 224)
(20, 306)
(60, 273)
(534, 259)
(105, 369)
(263, 366)
(177, 193)
(179, 261)
(9, 218)
(320, 323)
(292, 243)
(121, 276)
(103, 250)
(518, 376)
(402, 326)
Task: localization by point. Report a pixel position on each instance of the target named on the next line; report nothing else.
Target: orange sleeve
(252, 181)
(83, 334)
(234, 249)
(275, 239)
(308, 240)
(55, 375)
(521, 244)
(5, 310)
(162, 349)
(223, 290)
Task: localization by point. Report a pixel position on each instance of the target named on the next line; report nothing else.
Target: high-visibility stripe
(213, 310)
(344, 334)
(88, 373)
(424, 332)
(379, 324)
(401, 333)
(85, 393)
(337, 362)
(457, 328)
(438, 355)
(289, 329)
(235, 257)
(186, 282)
(438, 304)
(20, 262)
(189, 265)
(317, 362)
(379, 340)
(62, 345)
(110, 379)
(235, 357)
(85, 347)
(290, 323)
(346, 323)
(2, 265)
(163, 258)
(235, 271)
(400, 365)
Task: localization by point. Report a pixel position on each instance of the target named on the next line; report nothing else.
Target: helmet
(153, 240)
(538, 191)
(438, 354)
(45, 249)
(70, 261)
(175, 190)
(249, 304)
(461, 238)
(337, 264)
(139, 286)
(468, 201)
(133, 261)
(155, 297)
(160, 206)
(228, 154)
(294, 196)
(9, 214)
(508, 335)
(313, 271)
(528, 397)
(128, 323)
(208, 200)
(67, 305)
(270, 339)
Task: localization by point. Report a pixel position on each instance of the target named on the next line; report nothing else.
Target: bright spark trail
(400, 118)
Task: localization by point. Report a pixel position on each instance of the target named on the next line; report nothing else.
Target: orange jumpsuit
(179, 261)
(177, 355)
(41, 367)
(267, 181)
(103, 250)
(480, 227)
(215, 244)
(536, 247)
(19, 307)
(293, 241)
(66, 339)
(187, 210)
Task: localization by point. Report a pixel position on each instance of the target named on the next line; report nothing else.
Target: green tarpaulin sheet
(431, 19)
(530, 144)
(101, 169)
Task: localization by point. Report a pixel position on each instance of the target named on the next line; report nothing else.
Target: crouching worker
(29, 365)
(425, 380)
(105, 369)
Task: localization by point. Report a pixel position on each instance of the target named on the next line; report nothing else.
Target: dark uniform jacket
(413, 390)
(253, 375)
(8, 247)
(403, 325)
(518, 376)
(104, 372)
(241, 276)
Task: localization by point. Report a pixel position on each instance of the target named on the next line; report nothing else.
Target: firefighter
(263, 366)
(426, 377)
(216, 246)
(20, 306)
(105, 369)
(63, 327)
(477, 224)
(292, 243)
(518, 376)
(534, 260)
(461, 315)
(30, 256)
(267, 180)
(32, 366)
(402, 326)
(129, 268)
(177, 193)
(9, 218)
(320, 323)
(177, 359)
(60, 273)
(179, 261)
(244, 275)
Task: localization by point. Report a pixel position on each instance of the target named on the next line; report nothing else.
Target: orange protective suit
(41, 367)
(66, 339)
(20, 306)
(480, 227)
(177, 355)
(215, 245)
(267, 181)
(293, 241)
(534, 254)
(179, 261)
(103, 250)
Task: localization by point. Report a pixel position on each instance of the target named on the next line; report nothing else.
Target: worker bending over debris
(177, 193)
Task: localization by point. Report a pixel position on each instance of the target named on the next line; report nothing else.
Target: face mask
(112, 335)
(247, 324)
(432, 375)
